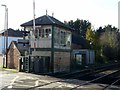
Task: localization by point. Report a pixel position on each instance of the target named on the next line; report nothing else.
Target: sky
(98, 12)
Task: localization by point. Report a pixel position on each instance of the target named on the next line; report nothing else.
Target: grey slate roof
(46, 20)
(13, 33)
(20, 47)
(80, 41)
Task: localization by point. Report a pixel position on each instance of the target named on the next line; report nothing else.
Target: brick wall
(13, 57)
(41, 53)
(75, 46)
(61, 61)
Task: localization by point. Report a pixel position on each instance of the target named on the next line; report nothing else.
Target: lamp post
(5, 34)
(34, 16)
(34, 23)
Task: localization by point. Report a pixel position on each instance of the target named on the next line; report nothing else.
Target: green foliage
(93, 39)
(90, 35)
(104, 40)
(79, 26)
(109, 40)
(7, 69)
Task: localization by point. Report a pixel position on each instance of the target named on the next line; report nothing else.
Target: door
(46, 64)
(41, 64)
(38, 64)
(79, 59)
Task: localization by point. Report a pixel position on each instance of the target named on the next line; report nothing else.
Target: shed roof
(76, 39)
(20, 47)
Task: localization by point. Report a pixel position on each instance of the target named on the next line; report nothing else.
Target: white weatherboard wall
(92, 56)
(89, 55)
(41, 43)
(9, 41)
(43, 39)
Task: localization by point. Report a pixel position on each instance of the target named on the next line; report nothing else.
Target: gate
(26, 64)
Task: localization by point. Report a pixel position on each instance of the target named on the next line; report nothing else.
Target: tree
(110, 42)
(90, 35)
(93, 39)
(79, 26)
(105, 41)
(99, 31)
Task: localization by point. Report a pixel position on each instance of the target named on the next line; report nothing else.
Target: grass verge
(7, 69)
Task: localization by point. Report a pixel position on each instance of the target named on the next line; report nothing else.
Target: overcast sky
(98, 12)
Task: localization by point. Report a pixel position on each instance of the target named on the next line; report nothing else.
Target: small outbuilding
(82, 54)
(16, 52)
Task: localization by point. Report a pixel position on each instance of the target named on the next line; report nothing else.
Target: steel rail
(94, 80)
(108, 86)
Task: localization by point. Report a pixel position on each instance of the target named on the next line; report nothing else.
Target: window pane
(42, 33)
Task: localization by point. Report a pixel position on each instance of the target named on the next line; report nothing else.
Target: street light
(5, 34)
(34, 22)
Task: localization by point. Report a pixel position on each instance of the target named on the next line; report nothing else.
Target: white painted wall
(9, 41)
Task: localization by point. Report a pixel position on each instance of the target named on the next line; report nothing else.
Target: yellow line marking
(10, 86)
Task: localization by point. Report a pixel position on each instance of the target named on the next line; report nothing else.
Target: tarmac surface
(28, 81)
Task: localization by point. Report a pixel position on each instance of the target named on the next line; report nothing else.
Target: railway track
(98, 78)
(93, 80)
(110, 85)
(87, 72)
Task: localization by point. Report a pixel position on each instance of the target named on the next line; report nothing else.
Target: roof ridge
(47, 20)
(50, 19)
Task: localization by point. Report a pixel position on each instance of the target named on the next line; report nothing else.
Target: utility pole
(5, 34)
(34, 16)
(34, 23)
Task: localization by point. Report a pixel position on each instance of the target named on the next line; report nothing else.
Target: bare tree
(110, 44)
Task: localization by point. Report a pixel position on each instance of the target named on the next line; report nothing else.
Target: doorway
(40, 64)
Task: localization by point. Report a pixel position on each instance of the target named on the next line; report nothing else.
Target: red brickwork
(13, 57)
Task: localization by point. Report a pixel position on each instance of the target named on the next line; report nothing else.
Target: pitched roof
(13, 33)
(76, 39)
(46, 20)
(20, 47)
